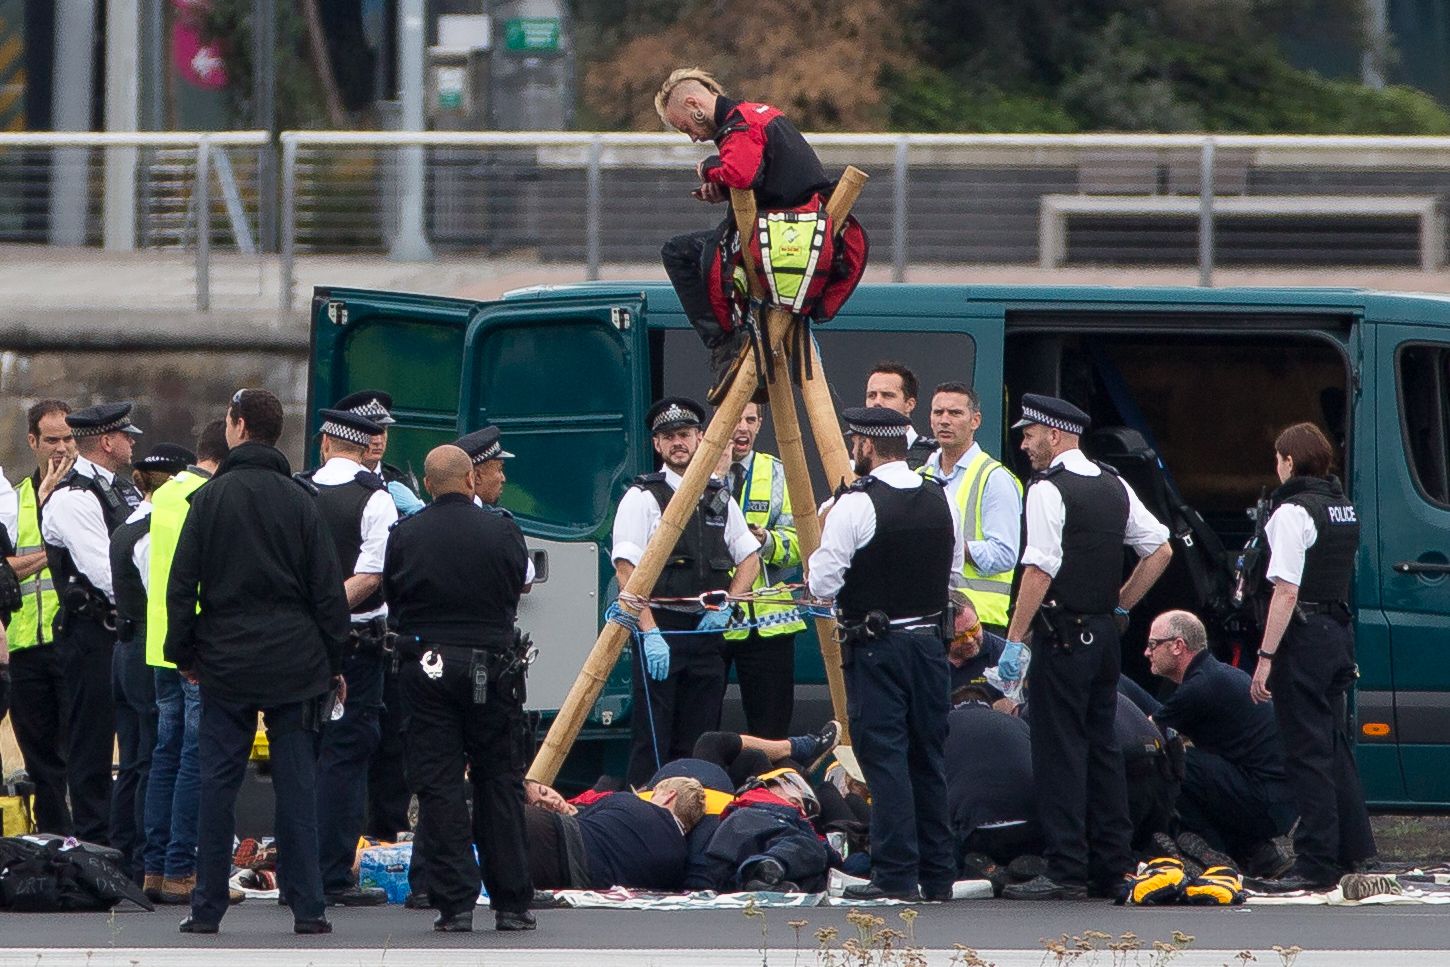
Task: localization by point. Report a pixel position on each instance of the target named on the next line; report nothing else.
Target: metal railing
(590, 200)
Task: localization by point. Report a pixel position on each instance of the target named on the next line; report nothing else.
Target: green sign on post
(531, 34)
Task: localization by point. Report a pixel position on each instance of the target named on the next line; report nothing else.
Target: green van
(1187, 388)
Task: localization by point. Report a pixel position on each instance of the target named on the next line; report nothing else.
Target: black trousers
(1231, 810)
(684, 259)
(342, 769)
(37, 711)
(388, 792)
(765, 668)
(133, 684)
(224, 744)
(1312, 673)
(897, 697)
(84, 651)
(669, 716)
(446, 731)
(1082, 796)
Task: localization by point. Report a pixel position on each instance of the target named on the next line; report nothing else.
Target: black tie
(737, 480)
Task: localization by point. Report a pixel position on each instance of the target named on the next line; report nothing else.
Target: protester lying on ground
(973, 649)
(766, 841)
(621, 839)
(746, 756)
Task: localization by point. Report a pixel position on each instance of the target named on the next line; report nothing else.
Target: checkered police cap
(674, 413)
(374, 404)
(1052, 412)
(876, 421)
(350, 427)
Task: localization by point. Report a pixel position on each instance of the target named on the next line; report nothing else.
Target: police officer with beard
(890, 549)
(1306, 658)
(679, 684)
(452, 576)
(1080, 514)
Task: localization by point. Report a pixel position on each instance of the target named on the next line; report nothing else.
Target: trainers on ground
(176, 890)
(1024, 868)
(1359, 886)
(1196, 848)
(1269, 860)
(1042, 888)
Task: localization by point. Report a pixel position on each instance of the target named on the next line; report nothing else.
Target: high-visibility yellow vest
(31, 625)
(169, 507)
(766, 504)
(990, 594)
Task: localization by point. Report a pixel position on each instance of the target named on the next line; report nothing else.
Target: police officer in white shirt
(88, 504)
(679, 684)
(486, 451)
(890, 549)
(1080, 514)
(357, 512)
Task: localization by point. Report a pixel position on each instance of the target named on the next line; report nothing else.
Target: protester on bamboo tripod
(894, 386)
(988, 499)
(37, 684)
(890, 549)
(357, 512)
(173, 789)
(763, 651)
(1306, 658)
(76, 523)
(134, 685)
(679, 683)
(757, 148)
(454, 573)
(1080, 514)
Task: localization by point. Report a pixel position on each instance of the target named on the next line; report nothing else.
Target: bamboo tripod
(779, 327)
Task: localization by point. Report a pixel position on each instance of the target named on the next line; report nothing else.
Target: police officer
(890, 549)
(487, 477)
(256, 613)
(133, 684)
(763, 651)
(453, 575)
(1079, 516)
(378, 406)
(86, 507)
(38, 685)
(894, 386)
(388, 796)
(357, 512)
(988, 499)
(680, 683)
(1306, 657)
(1234, 793)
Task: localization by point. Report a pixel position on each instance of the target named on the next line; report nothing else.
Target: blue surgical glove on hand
(656, 655)
(404, 499)
(1009, 666)
(715, 620)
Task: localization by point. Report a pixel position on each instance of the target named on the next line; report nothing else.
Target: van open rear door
(565, 379)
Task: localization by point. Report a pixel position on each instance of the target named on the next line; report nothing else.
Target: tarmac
(1002, 932)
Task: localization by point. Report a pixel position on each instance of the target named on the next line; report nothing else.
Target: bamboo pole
(601, 660)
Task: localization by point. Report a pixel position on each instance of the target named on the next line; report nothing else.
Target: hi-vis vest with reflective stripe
(169, 506)
(990, 594)
(31, 625)
(766, 505)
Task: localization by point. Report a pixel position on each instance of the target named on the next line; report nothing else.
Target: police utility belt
(876, 625)
(507, 668)
(369, 637)
(1065, 629)
(1337, 610)
(79, 600)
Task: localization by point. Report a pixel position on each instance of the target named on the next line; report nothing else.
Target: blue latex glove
(656, 655)
(1009, 666)
(404, 499)
(715, 620)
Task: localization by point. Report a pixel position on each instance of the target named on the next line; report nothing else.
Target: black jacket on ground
(274, 617)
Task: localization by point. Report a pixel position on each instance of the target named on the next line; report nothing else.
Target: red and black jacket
(760, 149)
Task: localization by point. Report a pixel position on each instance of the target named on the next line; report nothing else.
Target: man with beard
(679, 685)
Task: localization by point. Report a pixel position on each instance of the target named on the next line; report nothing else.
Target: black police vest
(920, 452)
(342, 508)
(905, 568)
(701, 559)
(125, 578)
(1094, 524)
(117, 499)
(1329, 563)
